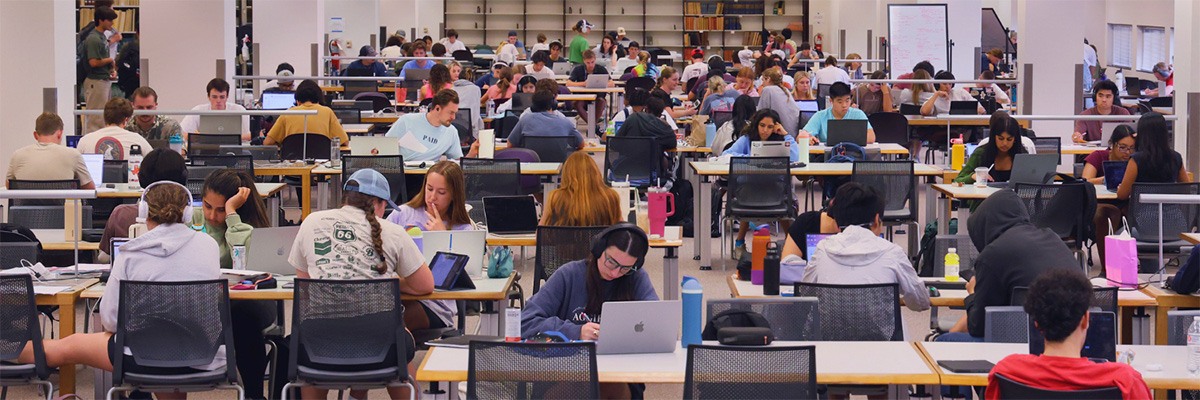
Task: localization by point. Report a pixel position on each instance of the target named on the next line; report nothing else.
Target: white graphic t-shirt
(336, 244)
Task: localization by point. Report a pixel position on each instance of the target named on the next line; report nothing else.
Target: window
(1120, 39)
(1153, 49)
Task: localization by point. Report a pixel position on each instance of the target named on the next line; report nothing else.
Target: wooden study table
(1167, 300)
(1193, 238)
(951, 191)
(56, 240)
(357, 129)
(298, 169)
(66, 301)
(982, 121)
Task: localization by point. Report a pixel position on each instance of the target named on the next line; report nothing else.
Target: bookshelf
(730, 25)
(127, 15)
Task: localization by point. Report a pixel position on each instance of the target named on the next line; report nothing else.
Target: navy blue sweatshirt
(559, 305)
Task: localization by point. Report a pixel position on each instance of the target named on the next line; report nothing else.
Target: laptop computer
(73, 140)
(115, 248)
(1101, 341)
(809, 106)
(270, 250)
(811, 240)
(1133, 86)
(760, 148)
(95, 166)
(639, 327)
(374, 146)
(1114, 173)
(361, 105)
(510, 215)
(469, 243)
(910, 109)
(220, 124)
(415, 75)
(846, 130)
(561, 68)
(1030, 168)
(596, 81)
(521, 101)
(970, 107)
(278, 100)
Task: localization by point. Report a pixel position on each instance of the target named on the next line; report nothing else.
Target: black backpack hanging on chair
(738, 327)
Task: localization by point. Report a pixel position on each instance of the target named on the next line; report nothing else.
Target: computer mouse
(934, 292)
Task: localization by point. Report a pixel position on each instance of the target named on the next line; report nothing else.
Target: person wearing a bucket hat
(580, 43)
(355, 242)
(376, 68)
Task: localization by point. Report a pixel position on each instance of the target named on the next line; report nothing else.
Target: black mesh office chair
(791, 318)
(15, 184)
(464, 123)
(550, 148)
(1048, 145)
(489, 177)
(46, 217)
(719, 118)
(392, 168)
(115, 171)
(348, 115)
(227, 161)
(1058, 207)
(1177, 218)
(962, 245)
(760, 189)
(173, 325)
(302, 146)
(1005, 324)
(1013, 390)
(896, 181)
(1104, 298)
(18, 326)
(745, 372)
(633, 159)
(210, 143)
(505, 125)
(334, 334)
(558, 245)
(500, 370)
(1178, 322)
(12, 253)
(890, 127)
(377, 101)
(857, 312)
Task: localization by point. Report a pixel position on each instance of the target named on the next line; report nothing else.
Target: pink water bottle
(660, 199)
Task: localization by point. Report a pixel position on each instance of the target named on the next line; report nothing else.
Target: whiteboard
(917, 32)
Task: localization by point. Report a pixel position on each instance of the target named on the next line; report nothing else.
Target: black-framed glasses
(613, 264)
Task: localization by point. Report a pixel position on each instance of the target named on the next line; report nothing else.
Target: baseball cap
(621, 31)
(400, 33)
(697, 53)
(512, 33)
(285, 73)
(367, 51)
(371, 182)
(583, 24)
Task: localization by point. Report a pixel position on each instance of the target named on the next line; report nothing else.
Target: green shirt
(236, 233)
(578, 45)
(96, 47)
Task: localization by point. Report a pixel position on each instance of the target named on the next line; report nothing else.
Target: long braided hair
(366, 203)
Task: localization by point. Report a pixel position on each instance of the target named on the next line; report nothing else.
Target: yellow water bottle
(952, 265)
(957, 154)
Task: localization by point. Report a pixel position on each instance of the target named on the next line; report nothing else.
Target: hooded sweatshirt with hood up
(167, 253)
(1012, 252)
(858, 257)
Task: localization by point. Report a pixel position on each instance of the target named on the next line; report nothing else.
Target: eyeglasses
(613, 264)
(1124, 149)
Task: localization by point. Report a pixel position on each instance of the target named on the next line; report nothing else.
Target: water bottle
(335, 152)
(758, 250)
(1121, 81)
(177, 144)
(135, 163)
(237, 254)
(491, 107)
(771, 270)
(952, 265)
(693, 302)
(802, 140)
(1193, 347)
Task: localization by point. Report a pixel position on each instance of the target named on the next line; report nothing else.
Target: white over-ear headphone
(144, 209)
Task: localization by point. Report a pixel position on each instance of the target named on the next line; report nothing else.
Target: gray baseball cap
(371, 182)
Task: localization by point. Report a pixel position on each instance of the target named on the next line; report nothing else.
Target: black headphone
(601, 239)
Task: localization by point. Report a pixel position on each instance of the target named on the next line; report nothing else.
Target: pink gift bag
(1120, 259)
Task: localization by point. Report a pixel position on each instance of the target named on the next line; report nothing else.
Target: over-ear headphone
(600, 241)
(144, 209)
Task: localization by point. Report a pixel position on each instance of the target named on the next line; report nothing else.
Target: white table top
(837, 362)
(947, 297)
(717, 168)
(970, 191)
(1172, 359)
(357, 128)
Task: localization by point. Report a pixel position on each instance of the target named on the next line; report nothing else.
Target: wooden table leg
(1126, 334)
(306, 192)
(66, 327)
(1160, 324)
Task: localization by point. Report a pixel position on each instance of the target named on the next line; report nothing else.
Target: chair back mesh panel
(43, 185)
(347, 322)
(1177, 218)
(392, 168)
(550, 148)
(293, 146)
(489, 177)
(1104, 298)
(210, 143)
(558, 245)
(759, 186)
(895, 181)
(1010, 389)
(856, 312)
(18, 316)
(11, 254)
(242, 162)
(743, 372)
(962, 246)
(637, 158)
(1178, 322)
(791, 318)
(501, 370)
(174, 324)
(348, 115)
(719, 118)
(46, 217)
(1006, 324)
(1056, 206)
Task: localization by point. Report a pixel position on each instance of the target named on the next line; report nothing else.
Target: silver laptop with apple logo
(629, 327)
(270, 248)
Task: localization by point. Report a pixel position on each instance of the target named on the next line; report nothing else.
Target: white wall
(962, 18)
(399, 14)
(360, 19)
(1044, 45)
(280, 27)
(1158, 13)
(183, 51)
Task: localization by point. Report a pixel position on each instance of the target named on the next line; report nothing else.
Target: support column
(1187, 82)
(1047, 44)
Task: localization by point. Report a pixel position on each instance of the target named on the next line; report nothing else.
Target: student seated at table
(1058, 303)
(217, 91)
(113, 140)
(571, 299)
(1012, 252)
(649, 123)
(430, 135)
(717, 98)
(765, 126)
(47, 158)
(582, 199)
(539, 69)
(169, 252)
(487, 80)
(744, 83)
(159, 165)
(830, 73)
(383, 251)
(527, 84)
(1105, 95)
(730, 131)
(802, 90)
(1155, 161)
(916, 93)
(946, 93)
(807, 223)
(668, 81)
(555, 53)
(775, 97)
(417, 49)
(857, 255)
(578, 78)
(993, 89)
(439, 206)
(839, 108)
(309, 95)
(503, 90)
(874, 97)
(543, 122)
(1121, 146)
(1003, 144)
(439, 78)
(921, 66)
(377, 68)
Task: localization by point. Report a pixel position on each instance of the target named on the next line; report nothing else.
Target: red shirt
(902, 86)
(1061, 373)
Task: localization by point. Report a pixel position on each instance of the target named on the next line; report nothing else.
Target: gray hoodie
(857, 256)
(167, 253)
(468, 98)
(775, 98)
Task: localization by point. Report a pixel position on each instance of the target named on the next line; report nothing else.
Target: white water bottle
(1121, 81)
(1193, 347)
(135, 163)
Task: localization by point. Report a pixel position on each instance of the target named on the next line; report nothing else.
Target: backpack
(842, 153)
(733, 318)
(924, 260)
(13, 233)
(1187, 280)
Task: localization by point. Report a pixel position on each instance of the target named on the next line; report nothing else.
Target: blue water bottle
(693, 302)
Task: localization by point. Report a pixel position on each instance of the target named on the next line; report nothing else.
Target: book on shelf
(752, 39)
(695, 39)
(778, 9)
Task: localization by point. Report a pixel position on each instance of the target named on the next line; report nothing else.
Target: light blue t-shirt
(819, 123)
(413, 65)
(437, 140)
